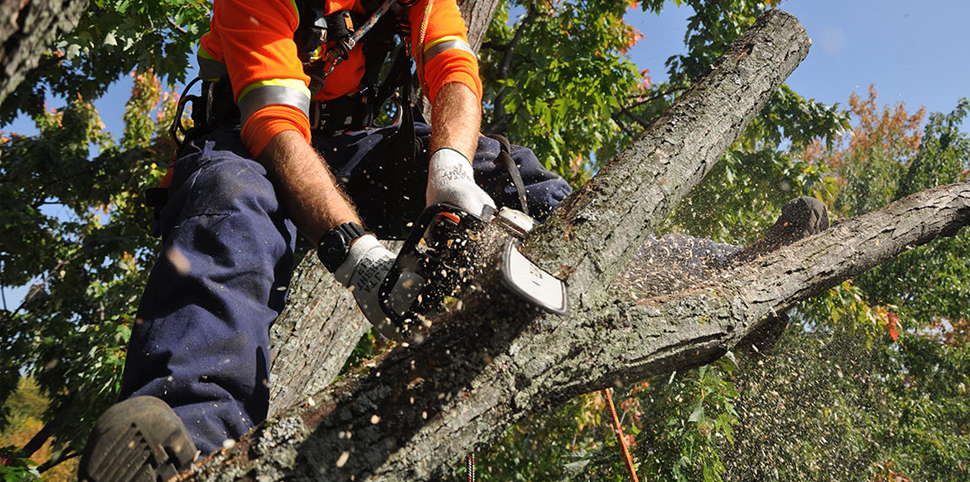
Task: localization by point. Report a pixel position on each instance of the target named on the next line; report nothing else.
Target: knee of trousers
(219, 182)
(224, 228)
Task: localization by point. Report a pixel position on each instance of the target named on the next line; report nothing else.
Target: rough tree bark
(414, 412)
(30, 29)
(477, 14)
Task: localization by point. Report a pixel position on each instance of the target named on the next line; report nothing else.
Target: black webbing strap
(505, 154)
(156, 198)
(402, 177)
(407, 180)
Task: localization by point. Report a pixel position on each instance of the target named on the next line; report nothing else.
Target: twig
(175, 26)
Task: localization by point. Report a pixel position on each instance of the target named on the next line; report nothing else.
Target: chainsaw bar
(531, 282)
(433, 265)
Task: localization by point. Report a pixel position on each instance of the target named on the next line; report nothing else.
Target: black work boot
(138, 440)
(800, 217)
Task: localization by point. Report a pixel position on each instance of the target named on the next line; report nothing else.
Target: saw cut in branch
(692, 327)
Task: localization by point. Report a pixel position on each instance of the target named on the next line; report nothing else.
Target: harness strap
(505, 154)
(345, 36)
(408, 178)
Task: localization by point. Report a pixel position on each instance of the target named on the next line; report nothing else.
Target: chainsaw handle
(409, 258)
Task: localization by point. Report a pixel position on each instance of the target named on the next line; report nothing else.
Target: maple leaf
(892, 324)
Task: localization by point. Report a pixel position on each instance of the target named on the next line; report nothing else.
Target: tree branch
(489, 363)
(30, 29)
(692, 327)
(477, 15)
(38, 440)
(175, 27)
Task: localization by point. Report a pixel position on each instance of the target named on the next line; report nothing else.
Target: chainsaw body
(436, 263)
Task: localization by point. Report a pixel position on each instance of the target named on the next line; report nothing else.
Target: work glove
(451, 180)
(363, 272)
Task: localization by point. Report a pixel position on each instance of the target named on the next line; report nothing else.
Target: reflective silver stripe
(211, 69)
(441, 47)
(266, 95)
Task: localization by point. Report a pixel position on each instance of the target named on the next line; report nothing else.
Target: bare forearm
(306, 186)
(456, 118)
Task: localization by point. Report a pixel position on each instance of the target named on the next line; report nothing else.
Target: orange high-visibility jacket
(251, 41)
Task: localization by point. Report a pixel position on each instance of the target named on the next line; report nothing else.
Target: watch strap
(335, 244)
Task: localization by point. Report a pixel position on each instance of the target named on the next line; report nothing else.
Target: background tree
(75, 227)
(907, 418)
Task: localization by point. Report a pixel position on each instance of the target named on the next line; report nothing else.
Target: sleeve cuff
(269, 121)
(472, 81)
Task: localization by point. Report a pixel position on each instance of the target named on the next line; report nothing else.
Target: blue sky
(914, 52)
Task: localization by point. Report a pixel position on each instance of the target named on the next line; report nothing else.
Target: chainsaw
(436, 264)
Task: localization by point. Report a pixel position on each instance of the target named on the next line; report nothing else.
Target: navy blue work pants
(201, 340)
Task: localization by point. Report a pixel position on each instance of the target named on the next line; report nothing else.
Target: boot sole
(138, 440)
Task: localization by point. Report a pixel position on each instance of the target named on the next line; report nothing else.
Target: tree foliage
(555, 75)
(26, 406)
(113, 38)
(76, 228)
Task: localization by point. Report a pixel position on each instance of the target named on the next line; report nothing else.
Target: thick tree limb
(489, 363)
(28, 29)
(477, 15)
(478, 389)
(314, 335)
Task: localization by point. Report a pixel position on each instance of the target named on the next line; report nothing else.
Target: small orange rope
(419, 55)
(619, 435)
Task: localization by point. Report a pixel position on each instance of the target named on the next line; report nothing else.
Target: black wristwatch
(335, 244)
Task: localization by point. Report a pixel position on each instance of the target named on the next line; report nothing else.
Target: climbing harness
(339, 29)
(340, 32)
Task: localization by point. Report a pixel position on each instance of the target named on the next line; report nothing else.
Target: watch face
(335, 248)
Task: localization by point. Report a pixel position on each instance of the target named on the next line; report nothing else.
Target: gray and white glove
(363, 272)
(451, 180)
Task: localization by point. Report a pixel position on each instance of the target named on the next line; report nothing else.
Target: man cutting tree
(280, 141)
(281, 145)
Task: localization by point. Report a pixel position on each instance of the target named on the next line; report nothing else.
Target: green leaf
(697, 415)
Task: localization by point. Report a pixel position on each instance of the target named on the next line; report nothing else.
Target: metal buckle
(318, 115)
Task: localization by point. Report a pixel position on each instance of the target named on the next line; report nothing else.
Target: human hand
(451, 180)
